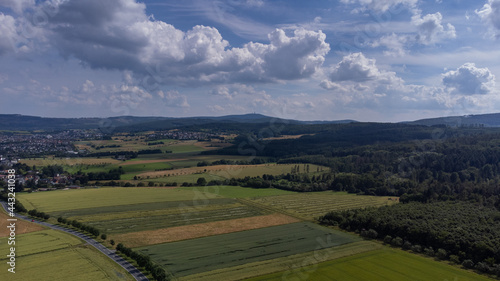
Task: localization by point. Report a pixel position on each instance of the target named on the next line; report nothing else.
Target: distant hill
(17, 122)
(486, 120)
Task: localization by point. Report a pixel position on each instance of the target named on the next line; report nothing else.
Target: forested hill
(482, 120)
(333, 139)
(16, 122)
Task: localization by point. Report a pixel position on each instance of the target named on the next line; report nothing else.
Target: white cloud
(357, 68)
(174, 99)
(8, 34)
(230, 91)
(490, 14)
(17, 5)
(216, 108)
(380, 6)
(431, 30)
(470, 80)
(117, 34)
(395, 44)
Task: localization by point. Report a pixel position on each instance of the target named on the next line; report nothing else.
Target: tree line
(463, 232)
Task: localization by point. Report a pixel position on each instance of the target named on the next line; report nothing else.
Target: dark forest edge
(463, 232)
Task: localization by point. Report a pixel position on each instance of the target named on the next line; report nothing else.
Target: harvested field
(22, 226)
(144, 238)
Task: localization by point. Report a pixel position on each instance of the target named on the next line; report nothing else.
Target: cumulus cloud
(117, 34)
(174, 99)
(380, 6)
(469, 80)
(357, 68)
(490, 14)
(431, 30)
(8, 33)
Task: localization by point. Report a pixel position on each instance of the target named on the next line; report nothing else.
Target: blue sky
(368, 60)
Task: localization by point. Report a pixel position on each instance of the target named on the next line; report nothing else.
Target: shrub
(468, 264)
(406, 245)
(455, 259)
(429, 251)
(441, 254)
(387, 239)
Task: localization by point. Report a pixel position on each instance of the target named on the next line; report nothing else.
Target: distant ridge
(18, 122)
(486, 120)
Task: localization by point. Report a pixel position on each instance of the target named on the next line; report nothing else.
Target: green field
(315, 204)
(215, 252)
(53, 255)
(381, 265)
(181, 214)
(238, 191)
(253, 269)
(62, 200)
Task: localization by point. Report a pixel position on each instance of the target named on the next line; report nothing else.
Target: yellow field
(22, 226)
(144, 238)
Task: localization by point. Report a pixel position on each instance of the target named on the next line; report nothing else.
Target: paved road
(110, 253)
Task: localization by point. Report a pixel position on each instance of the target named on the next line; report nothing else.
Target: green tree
(201, 182)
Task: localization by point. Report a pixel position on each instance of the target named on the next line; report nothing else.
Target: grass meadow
(385, 264)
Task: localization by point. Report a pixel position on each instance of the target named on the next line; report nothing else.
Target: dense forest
(418, 163)
(463, 232)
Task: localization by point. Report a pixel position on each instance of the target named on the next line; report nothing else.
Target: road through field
(136, 273)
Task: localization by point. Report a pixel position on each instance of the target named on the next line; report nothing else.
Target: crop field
(381, 265)
(65, 200)
(178, 216)
(230, 191)
(313, 205)
(171, 234)
(230, 171)
(39, 253)
(67, 162)
(226, 250)
(253, 269)
(42, 241)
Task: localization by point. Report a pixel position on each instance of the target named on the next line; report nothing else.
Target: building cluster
(17, 145)
(180, 135)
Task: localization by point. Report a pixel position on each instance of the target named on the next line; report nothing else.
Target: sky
(367, 60)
